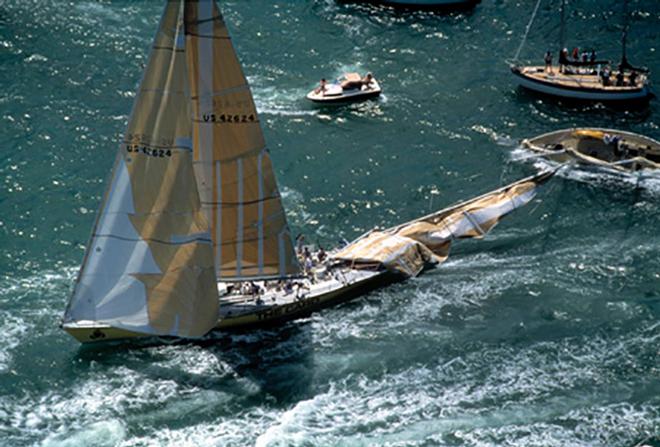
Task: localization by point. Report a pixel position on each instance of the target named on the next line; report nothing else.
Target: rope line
(529, 26)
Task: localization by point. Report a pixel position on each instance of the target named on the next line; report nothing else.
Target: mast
(624, 36)
(562, 29)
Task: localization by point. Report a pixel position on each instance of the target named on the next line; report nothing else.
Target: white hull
(588, 95)
(240, 312)
(346, 95)
(584, 145)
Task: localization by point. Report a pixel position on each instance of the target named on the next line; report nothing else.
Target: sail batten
(233, 168)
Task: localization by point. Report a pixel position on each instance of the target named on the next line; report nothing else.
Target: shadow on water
(279, 362)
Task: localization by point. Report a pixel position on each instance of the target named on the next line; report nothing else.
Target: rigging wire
(529, 26)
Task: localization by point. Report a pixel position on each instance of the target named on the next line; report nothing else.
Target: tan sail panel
(233, 168)
(407, 248)
(149, 266)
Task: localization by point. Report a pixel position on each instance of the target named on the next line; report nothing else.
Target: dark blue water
(546, 333)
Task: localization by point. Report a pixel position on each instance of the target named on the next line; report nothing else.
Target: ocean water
(546, 333)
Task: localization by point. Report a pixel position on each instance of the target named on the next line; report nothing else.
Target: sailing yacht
(191, 235)
(591, 79)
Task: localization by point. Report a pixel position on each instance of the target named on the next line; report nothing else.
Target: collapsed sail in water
(407, 248)
(233, 169)
(149, 265)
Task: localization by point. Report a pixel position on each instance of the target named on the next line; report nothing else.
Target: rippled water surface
(546, 333)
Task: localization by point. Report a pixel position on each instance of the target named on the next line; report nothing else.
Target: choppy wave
(544, 333)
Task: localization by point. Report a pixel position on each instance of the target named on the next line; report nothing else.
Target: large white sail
(149, 265)
(233, 168)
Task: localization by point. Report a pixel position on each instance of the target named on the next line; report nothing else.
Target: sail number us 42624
(146, 150)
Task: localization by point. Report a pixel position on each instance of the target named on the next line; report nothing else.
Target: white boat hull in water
(335, 94)
(606, 148)
(239, 312)
(577, 87)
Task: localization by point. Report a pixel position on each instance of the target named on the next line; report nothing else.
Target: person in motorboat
(350, 83)
(366, 81)
(321, 88)
(592, 56)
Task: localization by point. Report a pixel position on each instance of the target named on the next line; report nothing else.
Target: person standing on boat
(320, 255)
(300, 244)
(576, 54)
(619, 78)
(605, 75)
(563, 59)
(548, 61)
(632, 78)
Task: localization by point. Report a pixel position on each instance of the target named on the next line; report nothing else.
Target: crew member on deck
(320, 255)
(605, 75)
(575, 55)
(300, 243)
(619, 78)
(563, 59)
(632, 78)
(548, 62)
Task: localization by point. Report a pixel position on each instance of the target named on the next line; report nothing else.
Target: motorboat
(350, 87)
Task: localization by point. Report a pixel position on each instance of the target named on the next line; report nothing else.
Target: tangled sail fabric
(233, 168)
(149, 265)
(407, 248)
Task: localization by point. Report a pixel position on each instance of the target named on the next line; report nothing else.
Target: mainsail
(407, 248)
(149, 265)
(233, 169)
